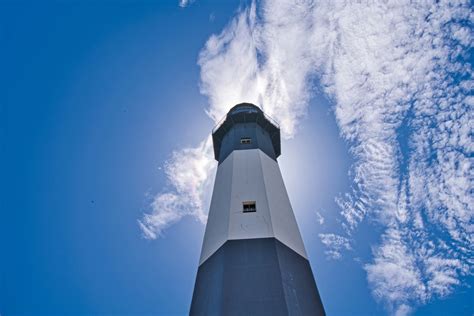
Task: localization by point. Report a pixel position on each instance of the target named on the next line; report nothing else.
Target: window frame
(249, 207)
(245, 140)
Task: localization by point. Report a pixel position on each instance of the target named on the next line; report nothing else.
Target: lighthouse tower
(253, 261)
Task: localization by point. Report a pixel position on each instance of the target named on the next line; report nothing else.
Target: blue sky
(103, 101)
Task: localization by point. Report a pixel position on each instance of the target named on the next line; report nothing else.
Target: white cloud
(399, 65)
(185, 3)
(262, 62)
(335, 244)
(394, 275)
(188, 171)
(387, 66)
(319, 218)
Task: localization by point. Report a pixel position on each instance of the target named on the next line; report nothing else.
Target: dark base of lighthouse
(255, 277)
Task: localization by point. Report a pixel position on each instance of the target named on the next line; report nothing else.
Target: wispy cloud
(188, 172)
(264, 62)
(319, 218)
(400, 81)
(395, 66)
(185, 3)
(335, 244)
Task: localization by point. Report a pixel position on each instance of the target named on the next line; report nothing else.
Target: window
(245, 140)
(249, 206)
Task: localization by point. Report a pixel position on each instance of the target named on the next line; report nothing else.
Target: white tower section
(244, 176)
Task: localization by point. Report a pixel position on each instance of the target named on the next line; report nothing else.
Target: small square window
(249, 206)
(246, 140)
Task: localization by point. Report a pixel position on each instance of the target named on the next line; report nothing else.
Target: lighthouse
(253, 260)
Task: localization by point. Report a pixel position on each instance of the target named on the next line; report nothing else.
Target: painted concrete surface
(250, 175)
(256, 277)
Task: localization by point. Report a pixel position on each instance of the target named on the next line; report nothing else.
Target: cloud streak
(335, 245)
(397, 66)
(189, 173)
(259, 61)
(185, 3)
(398, 75)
